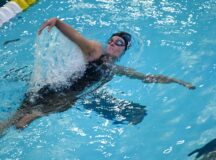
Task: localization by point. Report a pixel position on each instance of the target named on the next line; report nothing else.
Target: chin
(109, 50)
(110, 53)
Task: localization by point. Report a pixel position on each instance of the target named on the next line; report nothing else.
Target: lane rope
(10, 9)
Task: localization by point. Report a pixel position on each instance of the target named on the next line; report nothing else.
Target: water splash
(56, 59)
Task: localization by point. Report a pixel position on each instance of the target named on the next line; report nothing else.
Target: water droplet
(180, 142)
(168, 150)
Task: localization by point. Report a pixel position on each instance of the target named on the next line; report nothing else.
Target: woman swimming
(100, 68)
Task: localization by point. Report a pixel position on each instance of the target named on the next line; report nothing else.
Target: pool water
(173, 38)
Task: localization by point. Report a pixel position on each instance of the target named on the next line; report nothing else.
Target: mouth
(109, 49)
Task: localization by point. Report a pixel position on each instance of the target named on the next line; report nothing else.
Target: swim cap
(125, 36)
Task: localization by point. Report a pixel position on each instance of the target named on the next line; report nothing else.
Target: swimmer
(100, 68)
(118, 43)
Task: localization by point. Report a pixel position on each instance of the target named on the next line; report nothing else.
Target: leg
(3, 127)
(27, 114)
(27, 119)
(17, 116)
(20, 119)
(31, 110)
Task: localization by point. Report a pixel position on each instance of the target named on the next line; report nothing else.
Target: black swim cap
(126, 37)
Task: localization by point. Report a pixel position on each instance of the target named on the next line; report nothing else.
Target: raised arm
(91, 49)
(148, 78)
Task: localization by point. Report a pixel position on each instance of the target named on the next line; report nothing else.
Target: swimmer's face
(116, 46)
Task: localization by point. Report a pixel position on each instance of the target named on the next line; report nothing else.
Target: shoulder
(95, 52)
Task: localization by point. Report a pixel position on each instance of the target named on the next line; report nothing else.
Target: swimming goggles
(117, 42)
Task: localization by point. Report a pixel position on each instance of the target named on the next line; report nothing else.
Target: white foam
(56, 59)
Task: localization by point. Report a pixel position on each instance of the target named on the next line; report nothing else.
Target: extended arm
(91, 49)
(123, 71)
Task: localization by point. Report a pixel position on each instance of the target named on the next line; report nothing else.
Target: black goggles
(117, 42)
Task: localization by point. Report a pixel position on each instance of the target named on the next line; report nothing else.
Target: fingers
(50, 27)
(42, 28)
(190, 86)
(50, 23)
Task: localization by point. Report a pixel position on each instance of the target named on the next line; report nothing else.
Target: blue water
(173, 38)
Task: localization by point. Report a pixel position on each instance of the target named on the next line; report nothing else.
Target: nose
(112, 43)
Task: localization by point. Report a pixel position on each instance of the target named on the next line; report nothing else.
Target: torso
(96, 71)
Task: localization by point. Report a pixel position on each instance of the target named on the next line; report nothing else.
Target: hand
(190, 86)
(50, 23)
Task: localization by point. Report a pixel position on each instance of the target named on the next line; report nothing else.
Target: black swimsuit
(49, 99)
(98, 71)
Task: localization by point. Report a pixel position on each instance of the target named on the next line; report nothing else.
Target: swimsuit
(49, 99)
